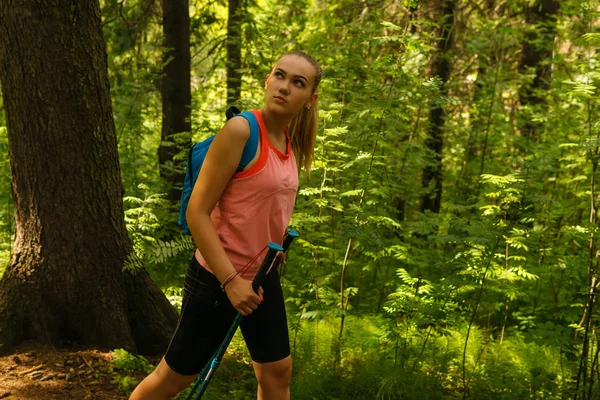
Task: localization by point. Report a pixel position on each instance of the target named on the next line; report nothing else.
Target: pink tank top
(256, 205)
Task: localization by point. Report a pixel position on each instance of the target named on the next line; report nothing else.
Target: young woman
(232, 216)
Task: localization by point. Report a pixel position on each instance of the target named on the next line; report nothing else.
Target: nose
(283, 89)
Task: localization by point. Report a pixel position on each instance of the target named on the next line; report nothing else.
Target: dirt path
(39, 372)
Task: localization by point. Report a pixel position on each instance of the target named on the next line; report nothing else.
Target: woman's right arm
(221, 162)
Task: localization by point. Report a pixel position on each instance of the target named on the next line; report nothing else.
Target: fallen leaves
(49, 373)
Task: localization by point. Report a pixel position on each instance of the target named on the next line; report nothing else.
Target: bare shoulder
(236, 129)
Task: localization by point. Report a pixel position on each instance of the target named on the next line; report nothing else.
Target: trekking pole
(269, 263)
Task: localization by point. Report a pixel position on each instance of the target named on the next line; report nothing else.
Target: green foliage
(145, 229)
(515, 369)
(125, 362)
(175, 296)
(123, 366)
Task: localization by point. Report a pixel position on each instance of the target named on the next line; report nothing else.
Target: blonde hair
(303, 128)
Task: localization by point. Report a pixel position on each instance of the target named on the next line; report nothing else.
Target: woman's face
(289, 86)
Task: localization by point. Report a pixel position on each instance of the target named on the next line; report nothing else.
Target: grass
(375, 362)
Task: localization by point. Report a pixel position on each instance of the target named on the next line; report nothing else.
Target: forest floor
(34, 371)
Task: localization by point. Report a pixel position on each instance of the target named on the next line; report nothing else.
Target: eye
(278, 74)
(299, 82)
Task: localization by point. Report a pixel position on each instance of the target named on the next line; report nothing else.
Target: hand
(242, 296)
(281, 256)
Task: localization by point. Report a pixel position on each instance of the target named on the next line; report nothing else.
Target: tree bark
(234, 52)
(432, 177)
(536, 58)
(65, 282)
(176, 94)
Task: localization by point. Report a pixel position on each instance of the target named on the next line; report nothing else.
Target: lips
(280, 99)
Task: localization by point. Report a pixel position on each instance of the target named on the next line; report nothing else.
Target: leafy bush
(124, 365)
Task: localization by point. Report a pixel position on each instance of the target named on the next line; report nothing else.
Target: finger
(261, 293)
(256, 299)
(281, 256)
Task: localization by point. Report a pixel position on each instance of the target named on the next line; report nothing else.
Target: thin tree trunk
(488, 125)
(432, 173)
(65, 282)
(594, 368)
(505, 320)
(593, 263)
(234, 52)
(176, 95)
(399, 202)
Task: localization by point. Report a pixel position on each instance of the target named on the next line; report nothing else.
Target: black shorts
(207, 315)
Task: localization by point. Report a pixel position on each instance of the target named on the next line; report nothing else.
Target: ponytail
(303, 135)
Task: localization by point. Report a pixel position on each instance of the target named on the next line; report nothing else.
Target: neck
(275, 124)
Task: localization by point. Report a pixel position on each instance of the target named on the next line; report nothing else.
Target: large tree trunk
(234, 52)
(176, 94)
(536, 59)
(432, 174)
(65, 281)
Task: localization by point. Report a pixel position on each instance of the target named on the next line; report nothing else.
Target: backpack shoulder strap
(252, 143)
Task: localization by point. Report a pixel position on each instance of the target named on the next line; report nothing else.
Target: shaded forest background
(449, 226)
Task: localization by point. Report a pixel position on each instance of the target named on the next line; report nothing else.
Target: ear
(266, 79)
(312, 100)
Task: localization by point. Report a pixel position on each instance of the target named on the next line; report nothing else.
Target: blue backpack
(197, 154)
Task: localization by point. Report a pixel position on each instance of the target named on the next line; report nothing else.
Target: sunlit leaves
(592, 38)
(581, 89)
(142, 224)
